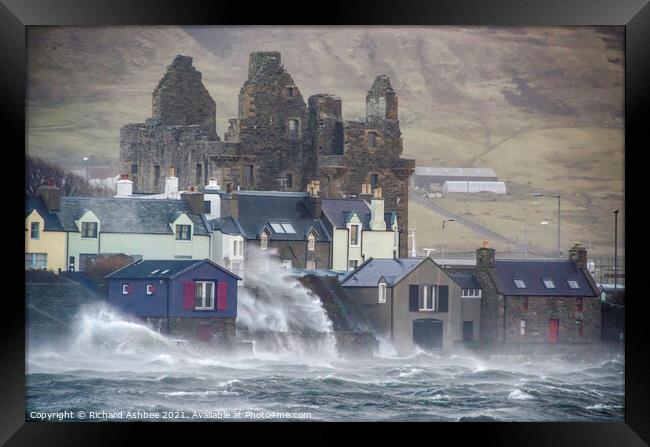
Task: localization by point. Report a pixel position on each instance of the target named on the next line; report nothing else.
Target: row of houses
(193, 249)
(225, 226)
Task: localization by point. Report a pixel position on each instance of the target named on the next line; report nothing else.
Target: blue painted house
(195, 298)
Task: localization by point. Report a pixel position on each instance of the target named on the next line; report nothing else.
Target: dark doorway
(468, 330)
(553, 330)
(427, 333)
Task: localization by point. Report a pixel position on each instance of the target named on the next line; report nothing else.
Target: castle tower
(181, 98)
(381, 101)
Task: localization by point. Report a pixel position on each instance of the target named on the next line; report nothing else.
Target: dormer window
(264, 241)
(519, 283)
(381, 299)
(311, 242)
(183, 232)
(35, 230)
(548, 283)
(89, 230)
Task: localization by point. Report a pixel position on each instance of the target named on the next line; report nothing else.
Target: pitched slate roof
(337, 212)
(126, 215)
(227, 225)
(52, 222)
(532, 272)
(466, 281)
(257, 209)
(164, 269)
(369, 273)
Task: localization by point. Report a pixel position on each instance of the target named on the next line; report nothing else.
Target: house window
(579, 305)
(183, 232)
(311, 265)
(573, 284)
(134, 169)
(429, 301)
(35, 260)
(207, 207)
(35, 230)
(288, 228)
(287, 264)
(382, 294)
(294, 129)
(548, 283)
(150, 289)
(264, 241)
(85, 259)
(519, 283)
(353, 264)
(522, 327)
(372, 140)
(524, 304)
(471, 293)
(89, 230)
(374, 181)
(354, 235)
(237, 247)
(264, 265)
(203, 295)
(248, 175)
(125, 289)
(311, 242)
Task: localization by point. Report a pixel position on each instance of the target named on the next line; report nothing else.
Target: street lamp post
(539, 194)
(443, 239)
(615, 251)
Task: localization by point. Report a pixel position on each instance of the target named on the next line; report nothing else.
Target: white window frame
(471, 293)
(203, 295)
(522, 327)
(125, 289)
(287, 264)
(149, 291)
(572, 281)
(549, 280)
(38, 231)
(263, 265)
(358, 244)
(514, 280)
(381, 298)
(311, 242)
(264, 241)
(32, 261)
(87, 224)
(352, 268)
(429, 303)
(179, 232)
(237, 247)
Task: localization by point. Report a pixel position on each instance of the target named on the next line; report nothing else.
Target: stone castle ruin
(278, 142)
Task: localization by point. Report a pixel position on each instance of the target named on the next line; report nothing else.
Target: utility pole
(443, 239)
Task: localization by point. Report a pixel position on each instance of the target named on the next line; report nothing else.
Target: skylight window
(164, 272)
(548, 283)
(573, 284)
(277, 228)
(288, 228)
(519, 283)
(154, 272)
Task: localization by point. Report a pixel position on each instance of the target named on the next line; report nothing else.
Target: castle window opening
(374, 181)
(294, 127)
(289, 181)
(134, 169)
(248, 175)
(291, 92)
(156, 175)
(338, 143)
(199, 170)
(372, 140)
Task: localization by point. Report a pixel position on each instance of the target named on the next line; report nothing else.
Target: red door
(553, 330)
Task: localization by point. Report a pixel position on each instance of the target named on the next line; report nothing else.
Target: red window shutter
(152, 288)
(222, 296)
(188, 295)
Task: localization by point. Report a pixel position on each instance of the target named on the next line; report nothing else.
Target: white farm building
(473, 187)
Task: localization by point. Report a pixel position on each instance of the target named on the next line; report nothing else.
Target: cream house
(360, 230)
(44, 235)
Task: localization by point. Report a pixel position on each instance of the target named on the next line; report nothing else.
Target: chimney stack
(213, 185)
(50, 194)
(195, 200)
(578, 254)
(171, 183)
(377, 221)
(485, 257)
(124, 186)
(315, 201)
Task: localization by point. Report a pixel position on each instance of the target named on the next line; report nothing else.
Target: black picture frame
(15, 15)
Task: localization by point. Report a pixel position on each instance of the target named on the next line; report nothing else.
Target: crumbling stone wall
(276, 135)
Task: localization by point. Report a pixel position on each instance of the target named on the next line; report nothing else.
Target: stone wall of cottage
(259, 146)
